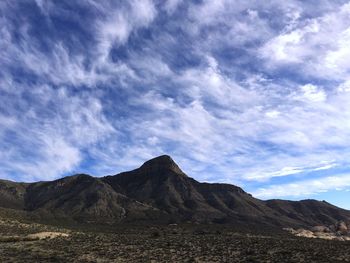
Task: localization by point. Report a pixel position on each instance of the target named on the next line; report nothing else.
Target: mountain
(162, 184)
(159, 192)
(83, 198)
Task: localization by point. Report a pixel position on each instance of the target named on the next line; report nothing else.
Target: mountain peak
(161, 163)
(162, 158)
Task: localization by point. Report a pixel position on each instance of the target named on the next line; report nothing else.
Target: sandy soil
(46, 235)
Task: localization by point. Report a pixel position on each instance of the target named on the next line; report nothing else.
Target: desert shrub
(30, 238)
(155, 234)
(17, 239)
(200, 232)
(10, 239)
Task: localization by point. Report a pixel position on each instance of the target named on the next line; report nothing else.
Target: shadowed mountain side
(309, 212)
(159, 191)
(84, 198)
(12, 194)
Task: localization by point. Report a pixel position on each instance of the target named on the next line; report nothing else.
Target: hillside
(159, 192)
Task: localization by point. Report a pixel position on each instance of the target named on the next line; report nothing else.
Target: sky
(253, 93)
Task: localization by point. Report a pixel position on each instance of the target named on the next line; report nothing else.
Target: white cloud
(264, 175)
(60, 65)
(171, 5)
(319, 46)
(313, 93)
(209, 83)
(47, 131)
(208, 100)
(120, 23)
(57, 157)
(305, 187)
(240, 124)
(286, 48)
(272, 113)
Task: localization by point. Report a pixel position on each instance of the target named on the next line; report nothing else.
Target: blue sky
(253, 93)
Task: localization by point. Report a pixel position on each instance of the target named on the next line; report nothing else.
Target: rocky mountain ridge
(159, 192)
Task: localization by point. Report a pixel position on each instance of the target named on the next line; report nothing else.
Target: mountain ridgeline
(157, 192)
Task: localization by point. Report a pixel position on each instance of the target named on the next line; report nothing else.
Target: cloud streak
(305, 187)
(252, 93)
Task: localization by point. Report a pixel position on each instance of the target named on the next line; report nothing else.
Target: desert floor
(28, 242)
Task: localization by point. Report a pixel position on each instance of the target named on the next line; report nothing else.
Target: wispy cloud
(48, 131)
(120, 22)
(305, 187)
(237, 91)
(318, 45)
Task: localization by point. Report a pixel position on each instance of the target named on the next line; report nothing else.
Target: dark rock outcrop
(160, 192)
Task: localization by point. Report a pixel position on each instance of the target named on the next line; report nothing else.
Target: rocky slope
(160, 192)
(338, 231)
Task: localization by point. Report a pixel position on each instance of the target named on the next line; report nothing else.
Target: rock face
(342, 228)
(12, 194)
(338, 231)
(83, 198)
(160, 192)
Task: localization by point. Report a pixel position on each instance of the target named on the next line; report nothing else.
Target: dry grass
(180, 243)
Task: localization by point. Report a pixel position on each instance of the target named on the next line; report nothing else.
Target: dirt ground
(185, 243)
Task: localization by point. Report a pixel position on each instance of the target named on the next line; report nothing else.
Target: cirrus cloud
(254, 93)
